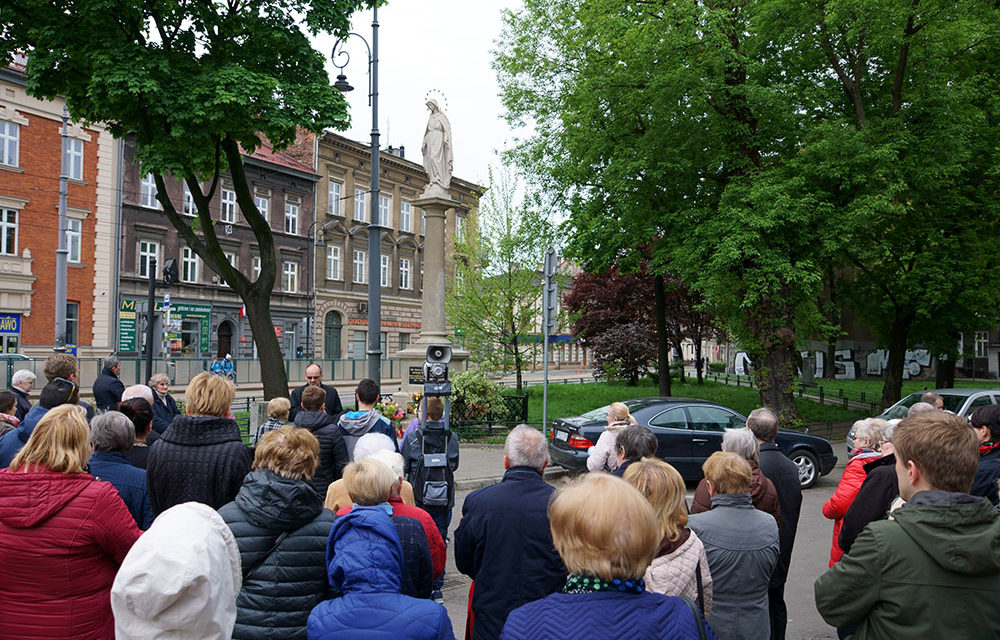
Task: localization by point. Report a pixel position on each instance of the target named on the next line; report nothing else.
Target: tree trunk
(518, 363)
(679, 353)
(830, 371)
(662, 339)
(944, 376)
(272, 361)
(898, 336)
(774, 373)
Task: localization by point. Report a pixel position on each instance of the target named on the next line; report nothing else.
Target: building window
(404, 273)
(189, 208)
(10, 136)
(256, 267)
(384, 205)
(74, 232)
(332, 262)
(148, 192)
(232, 260)
(291, 218)
(72, 322)
(360, 196)
(148, 252)
(228, 211)
(405, 217)
(982, 343)
(459, 229)
(384, 272)
(189, 265)
(423, 222)
(404, 341)
(333, 206)
(8, 232)
(360, 258)
(358, 346)
(262, 204)
(290, 277)
(74, 159)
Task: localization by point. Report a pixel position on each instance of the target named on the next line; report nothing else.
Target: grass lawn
(574, 399)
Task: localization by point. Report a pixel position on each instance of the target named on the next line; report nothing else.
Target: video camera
(436, 371)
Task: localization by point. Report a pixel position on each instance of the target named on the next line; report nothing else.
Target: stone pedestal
(433, 329)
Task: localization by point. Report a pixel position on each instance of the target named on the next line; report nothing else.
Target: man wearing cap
(55, 393)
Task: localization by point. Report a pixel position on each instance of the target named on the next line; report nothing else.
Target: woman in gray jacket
(742, 547)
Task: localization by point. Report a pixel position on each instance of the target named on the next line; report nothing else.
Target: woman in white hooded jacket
(680, 567)
(180, 579)
(603, 456)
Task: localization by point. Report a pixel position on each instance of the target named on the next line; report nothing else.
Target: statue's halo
(435, 94)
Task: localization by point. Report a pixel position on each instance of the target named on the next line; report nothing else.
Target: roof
(266, 153)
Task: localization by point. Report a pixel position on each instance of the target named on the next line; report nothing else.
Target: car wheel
(808, 467)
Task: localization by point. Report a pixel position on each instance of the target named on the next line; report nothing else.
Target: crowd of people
(141, 520)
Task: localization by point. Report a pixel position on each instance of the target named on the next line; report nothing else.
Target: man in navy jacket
(504, 542)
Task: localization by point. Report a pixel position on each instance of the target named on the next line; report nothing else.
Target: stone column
(433, 326)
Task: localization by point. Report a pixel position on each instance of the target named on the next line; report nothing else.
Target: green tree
(496, 294)
(196, 84)
(657, 120)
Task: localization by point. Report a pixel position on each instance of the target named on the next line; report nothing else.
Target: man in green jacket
(933, 570)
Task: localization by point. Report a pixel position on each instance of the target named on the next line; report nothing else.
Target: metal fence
(181, 370)
(467, 421)
(822, 393)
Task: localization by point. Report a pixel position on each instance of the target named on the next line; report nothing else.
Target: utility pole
(62, 252)
(550, 312)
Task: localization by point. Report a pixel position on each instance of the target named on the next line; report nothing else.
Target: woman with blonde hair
(64, 536)
(606, 534)
(680, 566)
(603, 456)
(201, 457)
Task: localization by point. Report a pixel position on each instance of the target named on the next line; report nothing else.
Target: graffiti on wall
(914, 362)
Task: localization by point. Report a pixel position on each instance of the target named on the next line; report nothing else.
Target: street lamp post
(374, 223)
(62, 252)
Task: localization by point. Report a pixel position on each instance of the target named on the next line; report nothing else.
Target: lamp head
(342, 85)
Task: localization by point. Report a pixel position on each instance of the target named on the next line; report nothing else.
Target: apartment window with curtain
(384, 208)
(74, 159)
(360, 202)
(10, 142)
(360, 260)
(291, 217)
(74, 233)
(333, 268)
(147, 192)
(404, 273)
(227, 212)
(148, 251)
(189, 266)
(405, 216)
(8, 232)
(263, 205)
(384, 279)
(333, 205)
(290, 273)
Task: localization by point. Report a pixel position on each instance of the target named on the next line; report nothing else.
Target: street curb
(551, 473)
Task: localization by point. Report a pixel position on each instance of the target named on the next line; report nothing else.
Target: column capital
(434, 204)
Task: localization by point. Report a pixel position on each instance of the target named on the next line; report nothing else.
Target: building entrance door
(225, 333)
(331, 335)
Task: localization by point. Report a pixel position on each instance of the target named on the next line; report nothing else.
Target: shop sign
(10, 323)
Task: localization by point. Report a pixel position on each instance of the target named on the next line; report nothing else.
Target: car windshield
(600, 414)
(952, 402)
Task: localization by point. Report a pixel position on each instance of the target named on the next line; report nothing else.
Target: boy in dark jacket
(332, 450)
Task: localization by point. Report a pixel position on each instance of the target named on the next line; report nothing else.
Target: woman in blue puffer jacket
(364, 559)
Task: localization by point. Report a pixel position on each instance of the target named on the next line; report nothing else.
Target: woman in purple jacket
(605, 596)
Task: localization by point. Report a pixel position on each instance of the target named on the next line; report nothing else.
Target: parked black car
(688, 432)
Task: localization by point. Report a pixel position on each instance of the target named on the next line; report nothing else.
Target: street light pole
(374, 223)
(62, 252)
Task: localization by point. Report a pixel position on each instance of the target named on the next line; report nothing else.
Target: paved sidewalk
(480, 465)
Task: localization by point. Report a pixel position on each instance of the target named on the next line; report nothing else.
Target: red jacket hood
(29, 499)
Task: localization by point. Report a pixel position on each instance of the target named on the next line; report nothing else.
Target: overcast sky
(424, 45)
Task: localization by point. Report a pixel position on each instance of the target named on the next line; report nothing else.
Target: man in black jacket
(783, 473)
(107, 387)
(314, 378)
(504, 542)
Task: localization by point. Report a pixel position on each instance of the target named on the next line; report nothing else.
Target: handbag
(698, 620)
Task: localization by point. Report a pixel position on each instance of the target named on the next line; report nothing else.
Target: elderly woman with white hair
(868, 437)
(337, 497)
(164, 406)
(112, 435)
(762, 491)
(21, 384)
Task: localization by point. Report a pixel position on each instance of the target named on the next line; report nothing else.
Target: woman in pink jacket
(868, 436)
(63, 536)
(603, 456)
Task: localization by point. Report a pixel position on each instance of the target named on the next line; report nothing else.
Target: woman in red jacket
(868, 436)
(63, 536)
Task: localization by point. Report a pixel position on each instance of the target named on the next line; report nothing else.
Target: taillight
(579, 442)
